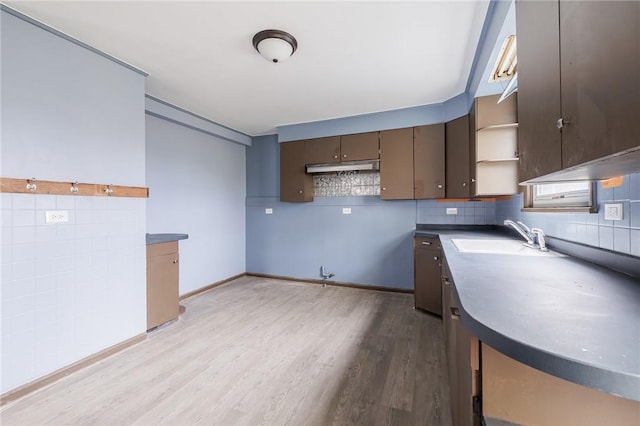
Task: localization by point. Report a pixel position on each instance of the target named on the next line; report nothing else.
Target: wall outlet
(56, 216)
(346, 210)
(268, 211)
(452, 210)
(613, 211)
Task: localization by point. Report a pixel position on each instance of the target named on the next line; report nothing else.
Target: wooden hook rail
(34, 186)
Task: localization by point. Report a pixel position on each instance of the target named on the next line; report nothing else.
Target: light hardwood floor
(264, 351)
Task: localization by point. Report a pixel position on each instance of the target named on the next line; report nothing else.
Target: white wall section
(73, 289)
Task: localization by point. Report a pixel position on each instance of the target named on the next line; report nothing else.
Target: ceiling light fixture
(275, 45)
(507, 63)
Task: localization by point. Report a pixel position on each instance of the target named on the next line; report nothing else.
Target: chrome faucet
(523, 230)
(539, 237)
(534, 236)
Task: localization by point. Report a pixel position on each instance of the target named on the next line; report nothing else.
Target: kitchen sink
(497, 246)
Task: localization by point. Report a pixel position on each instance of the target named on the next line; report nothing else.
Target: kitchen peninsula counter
(561, 315)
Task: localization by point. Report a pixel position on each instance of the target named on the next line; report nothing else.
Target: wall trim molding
(40, 383)
(69, 38)
(210, 287)
(332, 283)
(164, 110)
(20, 186)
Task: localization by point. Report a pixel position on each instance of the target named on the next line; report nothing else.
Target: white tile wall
(622, 236)
(68, 290)
(469, 212)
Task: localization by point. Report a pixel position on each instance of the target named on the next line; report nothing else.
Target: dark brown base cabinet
(463, 360)
(162, 283)
(427, 273)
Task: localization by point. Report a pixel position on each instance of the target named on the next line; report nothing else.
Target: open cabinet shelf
(496, 146)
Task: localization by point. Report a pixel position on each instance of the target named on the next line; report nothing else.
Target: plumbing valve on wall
(325, 276)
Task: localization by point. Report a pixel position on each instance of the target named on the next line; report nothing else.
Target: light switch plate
(56, 216)
(613, 211)
(346, 210)
(452, 210)
(268, 211)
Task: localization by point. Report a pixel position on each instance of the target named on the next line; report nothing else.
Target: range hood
(346, 166)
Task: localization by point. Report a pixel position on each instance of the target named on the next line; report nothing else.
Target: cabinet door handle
(455, 312)
(439, 186)
(473, 181)
(561, 123)
(175, 261)
(335, 156)
(464, 184)
(435, 258)
(426, 243)
(384, 189)
(344, 155)
(300, 192)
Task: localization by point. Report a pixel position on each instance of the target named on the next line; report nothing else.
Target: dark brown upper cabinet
(578, 86)
(322, 150)
(429, 161)
(473, 187)
(295, 184)
(396, 164)
(457, 158)
(361, 146)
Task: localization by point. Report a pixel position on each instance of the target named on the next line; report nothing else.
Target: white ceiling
(353, 57)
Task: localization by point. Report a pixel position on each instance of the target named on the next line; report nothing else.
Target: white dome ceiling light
(275, 45)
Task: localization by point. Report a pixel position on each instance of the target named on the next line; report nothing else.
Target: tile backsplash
(622, 236)
(466, 213)
(347, 184)
(587, 228)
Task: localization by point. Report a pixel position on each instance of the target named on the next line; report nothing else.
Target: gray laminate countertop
(165, 238)
(561, 315)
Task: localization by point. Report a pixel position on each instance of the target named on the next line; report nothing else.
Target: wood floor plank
(264, 351)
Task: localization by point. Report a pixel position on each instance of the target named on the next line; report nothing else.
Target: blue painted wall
(197, 187)
(263, 167)
(372, 246)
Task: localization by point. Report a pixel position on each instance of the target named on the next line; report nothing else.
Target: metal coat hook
(109, 190)
(74, 187)
(31, 184)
